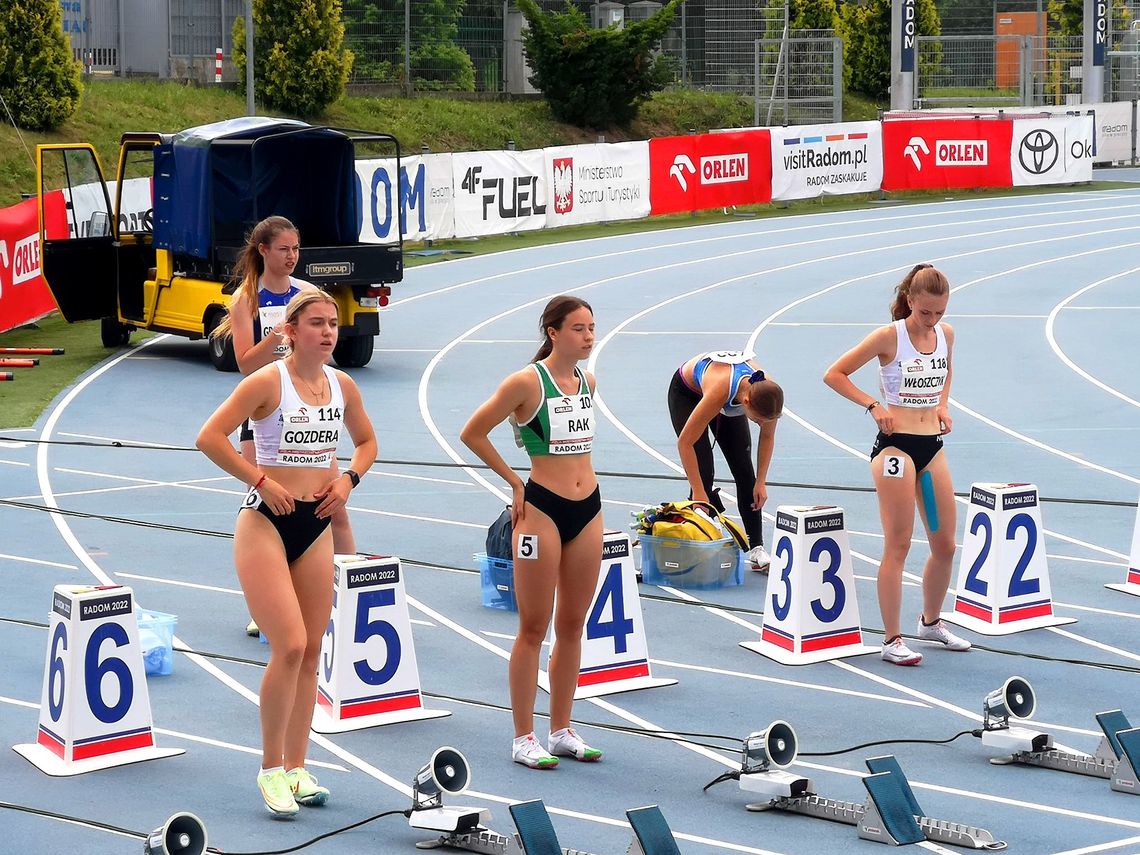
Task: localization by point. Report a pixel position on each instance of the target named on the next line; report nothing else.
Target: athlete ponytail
(249, 268)
(923, 279)
(552, 317)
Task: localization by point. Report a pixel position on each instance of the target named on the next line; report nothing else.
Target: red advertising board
(24, 295)
(940, 154)
(709, 171)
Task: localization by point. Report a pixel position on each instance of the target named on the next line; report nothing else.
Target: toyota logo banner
(1056, 150)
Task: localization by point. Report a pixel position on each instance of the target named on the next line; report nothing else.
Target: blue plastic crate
(156, 638)
(497, 582)
(691, 563)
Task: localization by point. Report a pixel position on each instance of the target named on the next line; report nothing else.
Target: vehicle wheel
(113, 333)
(354, 352)
(221, 348)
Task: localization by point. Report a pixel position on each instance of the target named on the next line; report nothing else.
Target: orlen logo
(961, 152)
(916, 365)
(24, 261)
(563, 185)
(724, 169)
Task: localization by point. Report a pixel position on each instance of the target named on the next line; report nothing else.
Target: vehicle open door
(76, 232)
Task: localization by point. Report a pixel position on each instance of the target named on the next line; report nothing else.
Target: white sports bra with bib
(915, 379)
(298, 433)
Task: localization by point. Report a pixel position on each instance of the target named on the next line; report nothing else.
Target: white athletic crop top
(914, 379)
(297, 433)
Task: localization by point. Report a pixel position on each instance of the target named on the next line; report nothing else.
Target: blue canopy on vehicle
(213, 183)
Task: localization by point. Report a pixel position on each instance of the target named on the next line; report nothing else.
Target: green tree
(868, 53)
(1067, 17)
(39, 79)
(301, 65)
(376, 27)
(590, 77)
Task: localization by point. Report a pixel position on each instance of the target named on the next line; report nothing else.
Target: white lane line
(1101, 847)
(14, 463)
(1051, 338)
(197, 586)
(190, 737)
(24, 558)
(1107, 648)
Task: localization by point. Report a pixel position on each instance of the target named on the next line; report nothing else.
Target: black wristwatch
(352, 476)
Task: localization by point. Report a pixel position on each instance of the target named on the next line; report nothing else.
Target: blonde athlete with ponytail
(556, 518)
(264, 273)
(907, 462)
(299, 409)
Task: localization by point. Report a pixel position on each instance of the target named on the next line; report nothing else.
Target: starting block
(1131, 583)
(368, 675)
(615, 651)
(811, 613)
(1003, 578)
(891, 813)
(94, 709)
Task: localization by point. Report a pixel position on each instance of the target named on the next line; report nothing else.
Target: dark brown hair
(553, 316)
(250, 265)
(766, 397)
(923, 279)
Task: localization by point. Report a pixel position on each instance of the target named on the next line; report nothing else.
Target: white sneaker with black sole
(940, 634)
(897, 653)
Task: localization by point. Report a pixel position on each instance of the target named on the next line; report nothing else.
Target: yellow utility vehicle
(161, 256)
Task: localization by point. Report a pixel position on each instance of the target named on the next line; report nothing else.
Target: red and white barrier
(218, 65)
(1131, 583)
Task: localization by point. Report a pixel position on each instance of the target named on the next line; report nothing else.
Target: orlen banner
(597, 183)
(819, 160)
(1057, 150)
(939, 154)
(498, 192)
(421, 193)
(24, 296)
(709, 171)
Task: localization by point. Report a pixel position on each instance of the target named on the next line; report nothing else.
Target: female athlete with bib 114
(915, 355)
(556, 520)
(297, 407)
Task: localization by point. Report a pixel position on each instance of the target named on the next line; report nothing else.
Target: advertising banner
(24, 296)
(1054, 150)
(940, 154)
(421, 195)
(597, 183)
(690, 173)
(498, 192)
(823, 160)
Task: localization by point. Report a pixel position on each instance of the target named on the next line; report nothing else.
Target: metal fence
(798, 80)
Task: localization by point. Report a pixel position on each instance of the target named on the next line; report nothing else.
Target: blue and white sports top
(915, 379)
(298, 433)
(271, 312)
(741, 368)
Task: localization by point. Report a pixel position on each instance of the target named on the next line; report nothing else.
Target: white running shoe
(940, 634)
(760, 559)
(567, 743)
(529, 751)
(897, 653)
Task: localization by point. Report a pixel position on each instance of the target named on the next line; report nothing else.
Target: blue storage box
(691, 563)
(156, 638)
(497, 581)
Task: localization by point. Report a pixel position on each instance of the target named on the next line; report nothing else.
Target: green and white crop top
(561, 424)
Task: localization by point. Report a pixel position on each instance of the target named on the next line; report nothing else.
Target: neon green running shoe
(567, 743)
(305, 788)
(277, 793)
(528, 751)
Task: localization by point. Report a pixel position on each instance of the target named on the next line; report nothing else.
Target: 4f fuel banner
(597, 183)
(823, 160)
(939, 154)
(498, 192)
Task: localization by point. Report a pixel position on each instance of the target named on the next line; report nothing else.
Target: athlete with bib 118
(556, 519)
(915, 355)
(298, 408)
